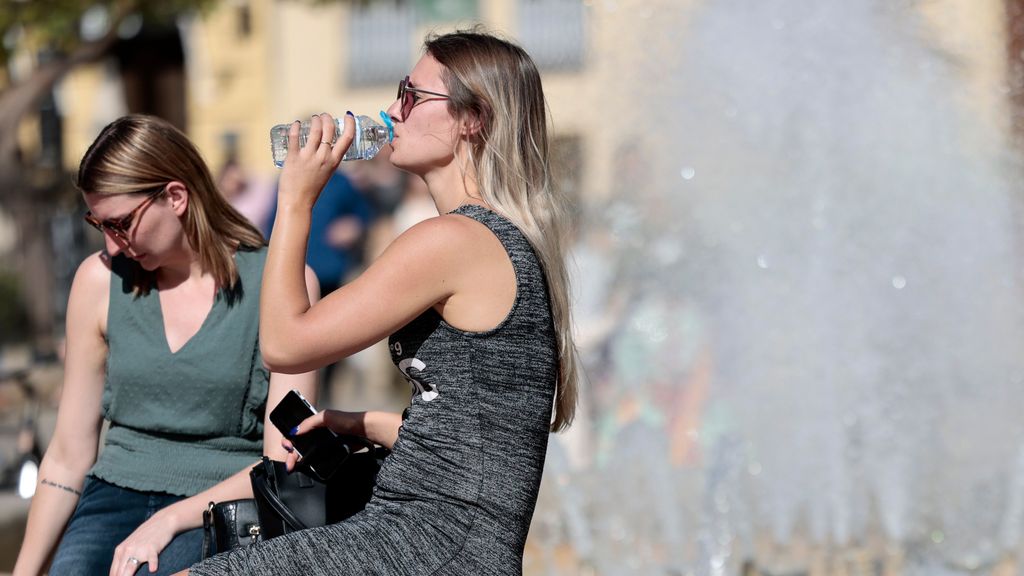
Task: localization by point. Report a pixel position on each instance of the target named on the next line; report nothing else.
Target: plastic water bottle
(370, 137)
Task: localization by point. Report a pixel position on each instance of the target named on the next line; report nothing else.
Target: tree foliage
(56, 24)
(42, 40)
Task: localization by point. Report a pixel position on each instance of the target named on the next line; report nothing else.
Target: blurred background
(798, 259)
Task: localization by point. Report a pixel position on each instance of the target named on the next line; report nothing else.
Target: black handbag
(229, 525)
(287, 502)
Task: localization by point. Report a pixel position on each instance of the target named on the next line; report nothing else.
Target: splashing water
(814, 301)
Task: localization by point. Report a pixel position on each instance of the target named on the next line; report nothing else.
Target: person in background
(337, 231)
(163, 342)
(337, 237)
(252, 196)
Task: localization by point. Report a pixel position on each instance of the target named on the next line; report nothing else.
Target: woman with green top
(163, 342)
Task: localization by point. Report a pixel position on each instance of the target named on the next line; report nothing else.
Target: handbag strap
(207, 530)
(260, 484)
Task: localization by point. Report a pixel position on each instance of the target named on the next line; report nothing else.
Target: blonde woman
(474, 303)
(163, 342)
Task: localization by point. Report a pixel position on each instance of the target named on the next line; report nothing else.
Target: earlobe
(471, 127)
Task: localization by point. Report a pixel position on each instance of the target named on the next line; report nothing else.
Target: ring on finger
(328, 142)
(133, 560)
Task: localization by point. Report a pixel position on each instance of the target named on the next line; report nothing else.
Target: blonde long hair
(496, 83)
(137, 153)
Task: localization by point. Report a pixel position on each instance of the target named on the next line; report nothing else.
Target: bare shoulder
(449, 233)
(92, 282)
(93, 273)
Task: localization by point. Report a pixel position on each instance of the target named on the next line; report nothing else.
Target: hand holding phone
(321, 449)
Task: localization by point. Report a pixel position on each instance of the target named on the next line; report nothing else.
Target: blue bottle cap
(387, 122)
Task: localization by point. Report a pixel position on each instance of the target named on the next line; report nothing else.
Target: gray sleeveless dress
(457, 493)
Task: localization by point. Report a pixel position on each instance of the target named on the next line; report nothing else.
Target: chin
(148, 263)
(412, 167)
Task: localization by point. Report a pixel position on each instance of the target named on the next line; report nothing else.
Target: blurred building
(229, 75)
(226, 76)
(250, 64)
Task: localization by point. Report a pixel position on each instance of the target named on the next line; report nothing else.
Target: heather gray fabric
(457, 493)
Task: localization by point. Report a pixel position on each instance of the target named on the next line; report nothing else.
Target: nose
(112, 245)
(394, 110)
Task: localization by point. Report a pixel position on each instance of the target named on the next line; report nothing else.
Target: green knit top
(181, 422)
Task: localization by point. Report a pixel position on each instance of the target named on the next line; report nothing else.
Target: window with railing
(446, 10)
(553, 32)
(379, 37)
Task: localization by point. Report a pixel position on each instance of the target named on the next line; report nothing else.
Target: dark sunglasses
(119, 227)
(407, 95)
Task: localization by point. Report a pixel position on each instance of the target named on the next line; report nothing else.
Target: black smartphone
(321, 449)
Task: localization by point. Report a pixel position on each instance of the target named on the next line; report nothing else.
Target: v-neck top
(181, 422)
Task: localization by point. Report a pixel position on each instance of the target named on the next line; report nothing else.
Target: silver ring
(328, 142)
(133, 560)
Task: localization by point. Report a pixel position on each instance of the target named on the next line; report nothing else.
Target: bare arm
(75, 443)
(299, 336)
(379, 427)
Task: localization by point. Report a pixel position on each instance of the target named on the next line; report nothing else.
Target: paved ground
(13, 510)
(45, 380)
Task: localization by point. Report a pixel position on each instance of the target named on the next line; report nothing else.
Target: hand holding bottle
(309, 167)
(370, 137)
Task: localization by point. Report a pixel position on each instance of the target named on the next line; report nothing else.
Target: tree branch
(19, 99)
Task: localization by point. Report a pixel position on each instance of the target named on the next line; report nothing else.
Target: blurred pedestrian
(337, 235)
(252, 197)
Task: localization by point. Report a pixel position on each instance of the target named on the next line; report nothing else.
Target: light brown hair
(494, 82)
(138, 153)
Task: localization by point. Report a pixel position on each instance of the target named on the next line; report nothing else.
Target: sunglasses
(407, 95)
(119, 227)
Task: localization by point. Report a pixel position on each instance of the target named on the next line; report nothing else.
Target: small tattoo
(46, 482)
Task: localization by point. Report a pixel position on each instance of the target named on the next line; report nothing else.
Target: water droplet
(754, 468)
(688, 173)
(899, 282)
(762, 262)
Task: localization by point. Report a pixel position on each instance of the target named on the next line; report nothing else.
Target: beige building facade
(251, 64)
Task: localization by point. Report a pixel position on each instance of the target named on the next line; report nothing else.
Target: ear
(177, 196)
(471, 127)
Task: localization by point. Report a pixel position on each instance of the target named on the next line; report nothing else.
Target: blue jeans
(105, 516)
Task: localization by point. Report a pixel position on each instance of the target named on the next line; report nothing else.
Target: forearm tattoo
(46, 482)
